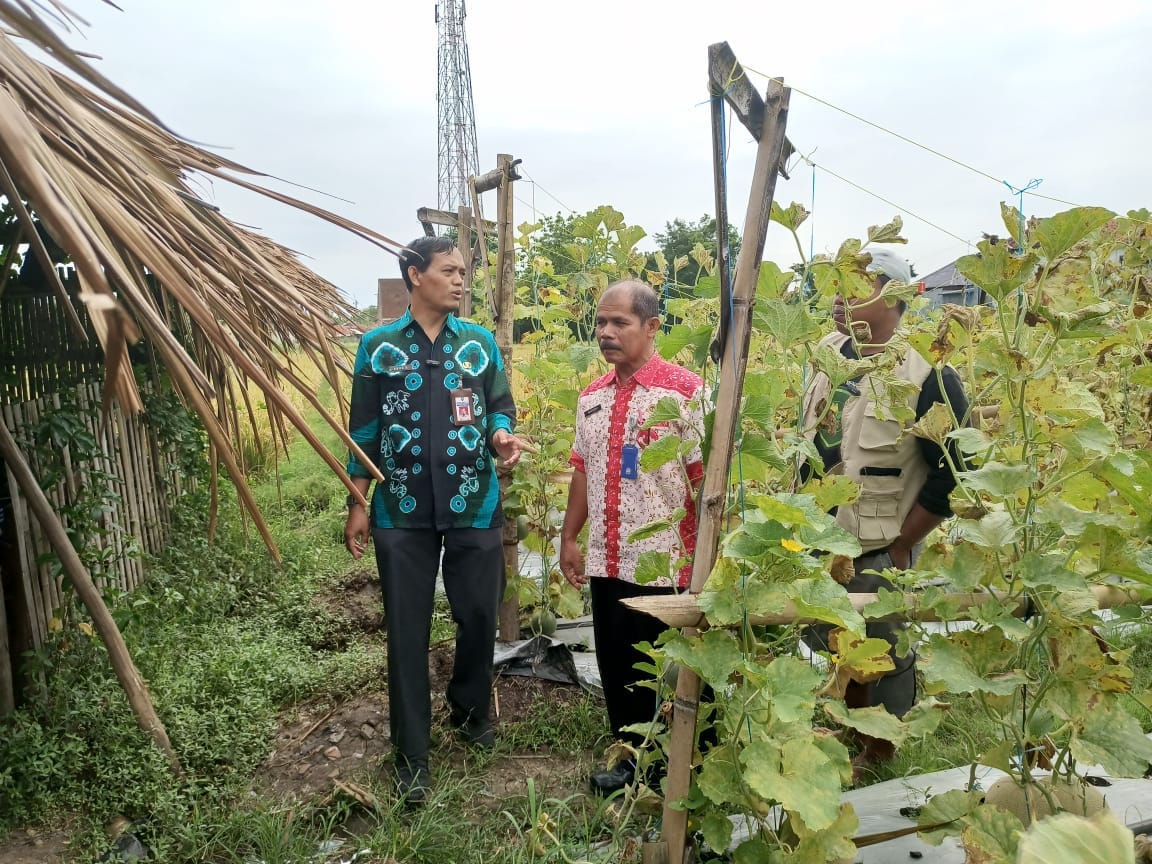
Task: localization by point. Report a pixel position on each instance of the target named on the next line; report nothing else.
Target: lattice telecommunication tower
(457, 159)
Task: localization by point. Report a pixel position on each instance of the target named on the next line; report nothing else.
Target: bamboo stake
(723, 250)
(7, 690)
(25, 550)
(121, 660)
(683, 610)
(509, 616)
(734, 360)
(489, 291)
(467, 248)
(39, 577)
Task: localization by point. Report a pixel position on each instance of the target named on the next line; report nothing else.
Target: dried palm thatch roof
(110, 184)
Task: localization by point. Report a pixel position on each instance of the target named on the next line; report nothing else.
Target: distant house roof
(946, 277)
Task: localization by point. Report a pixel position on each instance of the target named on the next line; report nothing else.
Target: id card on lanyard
(630, 454)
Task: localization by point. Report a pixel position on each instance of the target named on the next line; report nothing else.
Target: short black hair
(419, 254)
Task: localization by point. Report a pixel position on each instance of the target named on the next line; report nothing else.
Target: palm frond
(111, 185)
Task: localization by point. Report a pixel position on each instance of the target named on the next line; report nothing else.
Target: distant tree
(366, 317)
(680, 237)
(555, 240)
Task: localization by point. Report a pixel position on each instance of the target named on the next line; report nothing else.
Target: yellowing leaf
(831, 491)
(864, 659)
(1072, 839)
(1057, 234)
(797, 775)
(935, 424)
(86, 628)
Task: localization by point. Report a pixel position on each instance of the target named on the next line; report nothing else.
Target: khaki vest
(880, 445)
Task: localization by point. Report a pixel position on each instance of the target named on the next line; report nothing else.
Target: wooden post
(482, 241)
(733, 360)
(505, 318)
(7, 688)
(468, 249)
(723, 252)
(654, 852)
(130, 680)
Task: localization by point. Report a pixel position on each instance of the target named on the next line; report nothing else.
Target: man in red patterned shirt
(616, 497)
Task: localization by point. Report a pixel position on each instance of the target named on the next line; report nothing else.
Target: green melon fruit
(542, 623)
(1071, 797)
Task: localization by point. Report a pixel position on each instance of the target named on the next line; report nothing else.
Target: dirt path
(319, 744)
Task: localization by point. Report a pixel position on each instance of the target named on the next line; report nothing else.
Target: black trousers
(473, 571)
(617, 629)
(895, 692)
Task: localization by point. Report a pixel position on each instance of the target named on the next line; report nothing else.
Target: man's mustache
(608, 346)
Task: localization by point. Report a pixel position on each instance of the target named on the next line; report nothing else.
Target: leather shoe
(614, 779)
(482, 739)
(412, 782)
(474, 731)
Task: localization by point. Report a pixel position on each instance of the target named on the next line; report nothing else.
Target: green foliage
(680, 243)
(224, 640)
(1055, 500)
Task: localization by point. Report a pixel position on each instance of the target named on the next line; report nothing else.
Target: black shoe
(477, 734)
(412, 782)
(482, 739)
(613, 780)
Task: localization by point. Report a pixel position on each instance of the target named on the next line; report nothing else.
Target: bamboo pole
(467, 247)
(734, 361)
(723, 250)
(509, 616)
(489, 291)
(683, 610)
(25, 552)
(7, 690)
(130, 680)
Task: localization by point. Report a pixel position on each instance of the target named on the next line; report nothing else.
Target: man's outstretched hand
(508, 447)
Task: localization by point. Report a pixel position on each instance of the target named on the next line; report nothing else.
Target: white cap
(890, 264)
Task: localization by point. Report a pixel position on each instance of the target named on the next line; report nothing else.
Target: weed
(567, 726)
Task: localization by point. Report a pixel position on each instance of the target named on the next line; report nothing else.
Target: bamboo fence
(41, 368)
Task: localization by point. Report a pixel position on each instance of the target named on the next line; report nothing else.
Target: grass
(567, 727)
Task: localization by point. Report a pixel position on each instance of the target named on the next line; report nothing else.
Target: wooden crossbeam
(727, 77)
(683, 610)
(429, 216)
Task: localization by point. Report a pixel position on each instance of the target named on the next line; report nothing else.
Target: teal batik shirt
(439, 475)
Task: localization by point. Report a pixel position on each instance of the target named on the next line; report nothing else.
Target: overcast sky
(602, 101)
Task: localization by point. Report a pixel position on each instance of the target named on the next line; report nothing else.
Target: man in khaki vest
(904, 480)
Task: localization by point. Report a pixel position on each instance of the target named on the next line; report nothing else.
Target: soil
(319, 744)
(34, 847)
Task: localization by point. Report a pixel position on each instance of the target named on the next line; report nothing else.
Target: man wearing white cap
(904, 480)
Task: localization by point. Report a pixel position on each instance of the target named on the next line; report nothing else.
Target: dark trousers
(896, 690)
(617, 629)
(473, 571)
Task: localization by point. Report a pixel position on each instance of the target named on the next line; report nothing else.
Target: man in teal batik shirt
(432, 406)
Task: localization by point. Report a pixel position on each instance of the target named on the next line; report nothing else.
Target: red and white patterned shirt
(611, 415)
